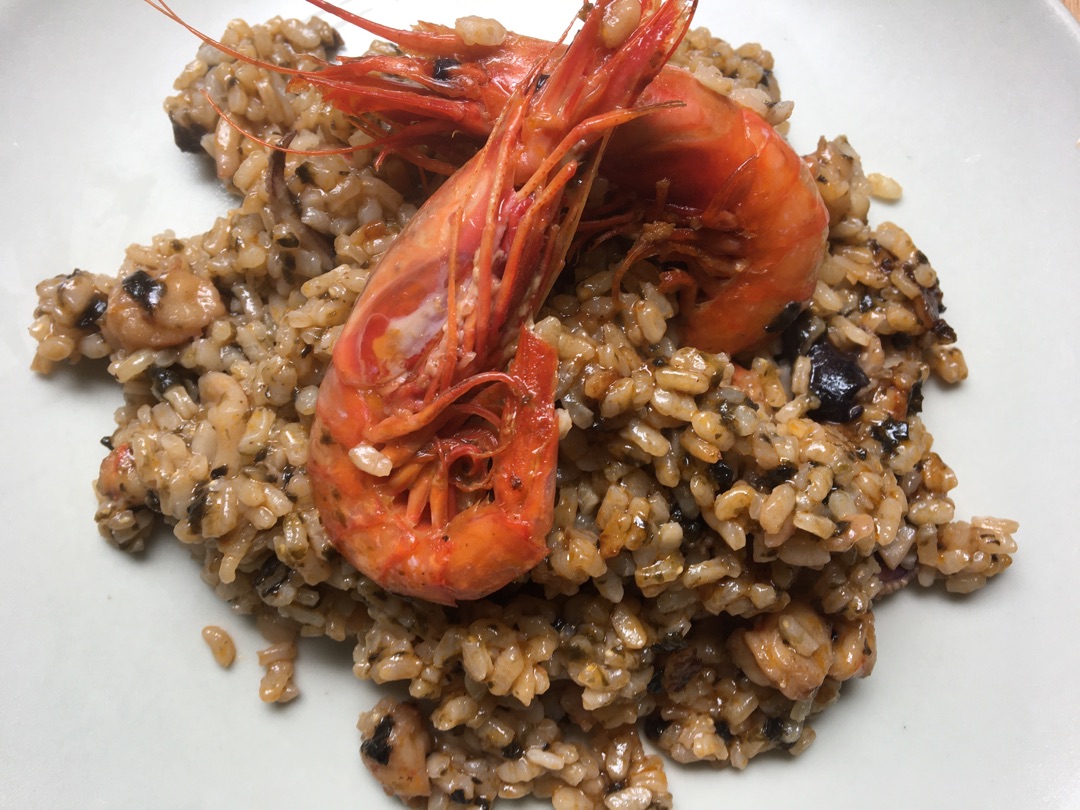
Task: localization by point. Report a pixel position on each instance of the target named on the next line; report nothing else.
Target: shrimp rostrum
(744, 214)
(433, 467)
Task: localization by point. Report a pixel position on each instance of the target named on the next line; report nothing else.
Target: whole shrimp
(749, 220)
(433, 469)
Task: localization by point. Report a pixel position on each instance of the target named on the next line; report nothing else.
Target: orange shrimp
(432, 468)
(751, 223)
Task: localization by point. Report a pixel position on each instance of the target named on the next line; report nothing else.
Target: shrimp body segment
(751, 223)
(433, 468)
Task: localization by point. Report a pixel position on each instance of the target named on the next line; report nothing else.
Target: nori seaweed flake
(196, 510)
(915, 399)
(146, 291)
(722, 475)
(162, 378)
(92, 313)
(378, 748)
(770, 479)
(890, 433)
(786, 317)
(836, 380)
(654, 726)
(270, 577)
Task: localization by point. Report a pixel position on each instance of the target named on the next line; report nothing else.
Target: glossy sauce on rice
(722, 531)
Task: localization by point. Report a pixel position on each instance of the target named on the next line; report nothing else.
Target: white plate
(108, 696)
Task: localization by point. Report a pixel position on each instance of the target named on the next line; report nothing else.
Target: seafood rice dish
(548, 377)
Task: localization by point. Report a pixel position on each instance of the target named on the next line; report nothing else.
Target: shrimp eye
(443, 66)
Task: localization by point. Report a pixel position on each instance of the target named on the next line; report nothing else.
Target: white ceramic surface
(109, 697)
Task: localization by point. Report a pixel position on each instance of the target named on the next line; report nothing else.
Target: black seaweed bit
(270, 577)
(93, 311)
(723, 730)
(188, 138)
(944, 332)
(773, 728)
(771, 479)
(458, 796)
(655, 684)
(308, 349)
(836, 380)
(861, 454)
(106, 442)
(261, 455)
(890, 433)
(681, 668)
(796, 338)
(915, 399)
(671, 642)
(513, 750)
(144, 290)
(288, 241)
(162, 378)
(866, 303)
(220, 472)
(303, 171)
(153, 502)
(288, 268)
(443, 65)
(378, 748)
(287, 472)
(615, 786)
(722, 475)
(654, 726)
(675, 512)
(788, 315)
(196, 510)
(933, 303)
(692, 528)
(482, 803)
(921, 257)
(541, 80)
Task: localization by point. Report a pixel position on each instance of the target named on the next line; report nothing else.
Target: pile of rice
(717, 551)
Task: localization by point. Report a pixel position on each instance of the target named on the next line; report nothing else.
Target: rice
(716, 552)
(221, 645)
